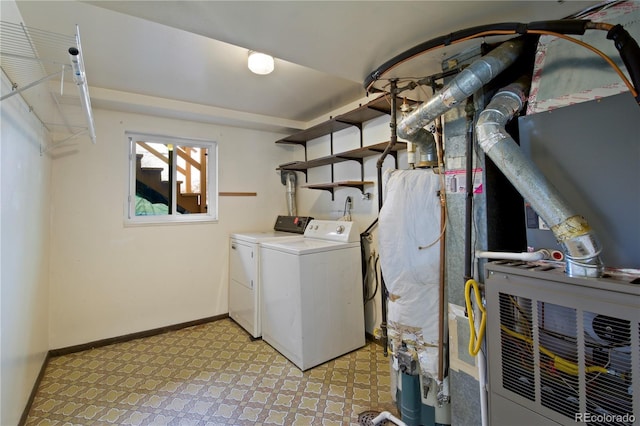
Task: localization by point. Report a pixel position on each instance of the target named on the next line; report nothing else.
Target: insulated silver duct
(582, 250)
(465, 84)
(291, 193)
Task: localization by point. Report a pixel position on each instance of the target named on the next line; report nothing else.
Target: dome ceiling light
(260, 63)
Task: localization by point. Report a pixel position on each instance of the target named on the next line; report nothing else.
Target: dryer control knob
(340, 229)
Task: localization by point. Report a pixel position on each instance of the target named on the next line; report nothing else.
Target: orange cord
(597, 52)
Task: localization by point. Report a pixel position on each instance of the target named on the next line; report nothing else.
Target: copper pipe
(443, 223)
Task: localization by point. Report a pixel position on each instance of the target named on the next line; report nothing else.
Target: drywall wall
(24, 230)
(108, 279)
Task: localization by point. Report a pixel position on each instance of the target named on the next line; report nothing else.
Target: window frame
(211, 215)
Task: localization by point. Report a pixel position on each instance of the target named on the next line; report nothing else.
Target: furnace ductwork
(290, 179)
(465, 84)
(571, 230)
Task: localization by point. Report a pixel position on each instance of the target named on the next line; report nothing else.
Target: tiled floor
(212, 374)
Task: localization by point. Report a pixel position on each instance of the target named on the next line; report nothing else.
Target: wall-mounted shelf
(354, 155)
(345, 183)
(374, 109)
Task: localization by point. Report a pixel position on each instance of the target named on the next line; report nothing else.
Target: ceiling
(187, 59)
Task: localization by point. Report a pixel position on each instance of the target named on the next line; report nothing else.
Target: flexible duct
(572, 231)
(470, 80)
(291, 193)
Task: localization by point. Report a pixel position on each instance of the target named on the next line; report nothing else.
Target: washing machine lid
(261, 236)
(305, 246)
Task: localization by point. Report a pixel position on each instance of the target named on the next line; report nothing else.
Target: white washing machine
(244, 269)
(312, 303)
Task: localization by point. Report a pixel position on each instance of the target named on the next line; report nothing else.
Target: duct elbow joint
(581, 247)
(425, 142)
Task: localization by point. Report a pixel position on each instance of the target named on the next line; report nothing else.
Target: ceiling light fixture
(260, 63)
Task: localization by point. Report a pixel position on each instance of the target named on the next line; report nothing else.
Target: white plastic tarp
(409, 246)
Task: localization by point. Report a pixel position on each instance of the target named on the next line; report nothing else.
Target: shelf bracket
(331, 190)
(29, 86)
(354, 124)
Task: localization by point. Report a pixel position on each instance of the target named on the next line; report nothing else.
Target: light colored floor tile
(208, 374)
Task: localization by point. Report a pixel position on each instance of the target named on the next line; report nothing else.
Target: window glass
(171, 179)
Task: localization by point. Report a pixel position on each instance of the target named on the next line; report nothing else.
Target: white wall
(109, 280)
(25, 185)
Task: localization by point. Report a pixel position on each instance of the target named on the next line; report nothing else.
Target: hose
(629, 52)
(375, 271)
(385, 415)
(474, 343)
(559, 363)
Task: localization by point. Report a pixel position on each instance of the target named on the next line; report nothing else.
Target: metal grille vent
(558, 354)
(570, 361)
(516, 335)
(608, 344)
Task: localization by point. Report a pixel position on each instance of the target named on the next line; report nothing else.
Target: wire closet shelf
(31, 56)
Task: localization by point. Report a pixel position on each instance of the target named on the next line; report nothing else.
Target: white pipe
(385, 415)
(77, 65)
(482, 382)
(542, 254)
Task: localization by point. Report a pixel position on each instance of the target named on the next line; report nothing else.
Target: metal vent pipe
(290, 179)
(582, 250)
(465, 84)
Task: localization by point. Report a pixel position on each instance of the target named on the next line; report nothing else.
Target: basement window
(171, 180)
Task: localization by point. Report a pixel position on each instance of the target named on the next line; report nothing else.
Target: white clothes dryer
(244, 270)
(312, 303)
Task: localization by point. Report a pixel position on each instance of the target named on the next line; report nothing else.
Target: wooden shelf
(345, 183)
(350, 183)
(376, 108)
(355, 155)
(314, 132)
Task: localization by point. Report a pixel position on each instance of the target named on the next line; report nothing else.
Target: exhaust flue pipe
(465, 84)
(581, 248)
(291, 193)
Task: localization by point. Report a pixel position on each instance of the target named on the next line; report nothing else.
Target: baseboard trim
(105, 342)
(32, 396)
(128, 337)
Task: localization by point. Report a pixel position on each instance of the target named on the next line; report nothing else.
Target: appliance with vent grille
(561, 349)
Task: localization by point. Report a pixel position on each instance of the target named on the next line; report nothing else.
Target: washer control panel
(295, 224)
(333, 230)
